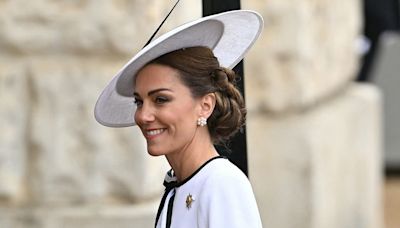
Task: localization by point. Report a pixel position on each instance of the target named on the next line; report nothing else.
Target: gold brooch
(189, 201)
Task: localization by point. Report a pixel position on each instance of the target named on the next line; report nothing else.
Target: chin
(155, 152)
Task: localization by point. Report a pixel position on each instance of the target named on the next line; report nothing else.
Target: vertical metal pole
(238, 147)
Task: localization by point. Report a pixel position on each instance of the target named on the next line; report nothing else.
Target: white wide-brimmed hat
(229, 35)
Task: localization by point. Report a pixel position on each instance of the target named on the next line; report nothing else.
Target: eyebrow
(153, 91)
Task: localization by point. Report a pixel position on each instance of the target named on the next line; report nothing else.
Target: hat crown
(207, 34)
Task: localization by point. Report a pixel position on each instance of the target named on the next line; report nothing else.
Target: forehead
(155, 76)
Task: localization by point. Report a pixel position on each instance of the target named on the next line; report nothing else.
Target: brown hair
(200, 71)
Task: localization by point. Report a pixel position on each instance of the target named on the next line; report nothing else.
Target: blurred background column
(314, 135)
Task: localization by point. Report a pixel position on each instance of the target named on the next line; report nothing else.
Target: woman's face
(166, 112)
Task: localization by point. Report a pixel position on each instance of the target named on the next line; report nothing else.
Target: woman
(185, 103)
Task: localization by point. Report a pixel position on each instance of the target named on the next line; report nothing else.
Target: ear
(207, 105)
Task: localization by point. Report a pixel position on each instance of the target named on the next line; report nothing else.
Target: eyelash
(158, 100)
(161, 100)
(138, 102)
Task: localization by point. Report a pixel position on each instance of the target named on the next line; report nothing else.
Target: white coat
(217, 195)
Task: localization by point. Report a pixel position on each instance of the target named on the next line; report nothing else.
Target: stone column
(320, 167)
(314, 136)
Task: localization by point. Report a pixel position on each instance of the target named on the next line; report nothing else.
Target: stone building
(313, 135)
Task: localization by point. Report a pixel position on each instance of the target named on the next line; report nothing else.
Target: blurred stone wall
(60, 168)
(314, 136)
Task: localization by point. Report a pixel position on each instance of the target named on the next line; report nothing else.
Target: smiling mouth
(155, 132)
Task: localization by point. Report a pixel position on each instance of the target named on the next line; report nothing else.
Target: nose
(144, 114)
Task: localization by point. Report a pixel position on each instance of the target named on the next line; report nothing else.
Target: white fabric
(223, 198)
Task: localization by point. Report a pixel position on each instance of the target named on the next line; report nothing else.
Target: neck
(186, 161)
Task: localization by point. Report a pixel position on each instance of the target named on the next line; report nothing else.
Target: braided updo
(200, 71)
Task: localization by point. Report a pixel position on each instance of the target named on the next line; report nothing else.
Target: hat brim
(229, 35)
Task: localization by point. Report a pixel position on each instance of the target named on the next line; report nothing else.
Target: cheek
(179, 117)
(185, 119)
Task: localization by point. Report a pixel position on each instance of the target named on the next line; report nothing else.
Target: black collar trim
(175, 184)
(198, 170)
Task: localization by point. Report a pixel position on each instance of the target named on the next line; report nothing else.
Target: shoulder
(226, 190)
(223, 173)
(226, 182)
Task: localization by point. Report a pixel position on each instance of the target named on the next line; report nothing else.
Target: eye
(138, 102)
(161, 100)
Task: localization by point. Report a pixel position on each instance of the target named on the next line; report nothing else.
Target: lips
(151, 133)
